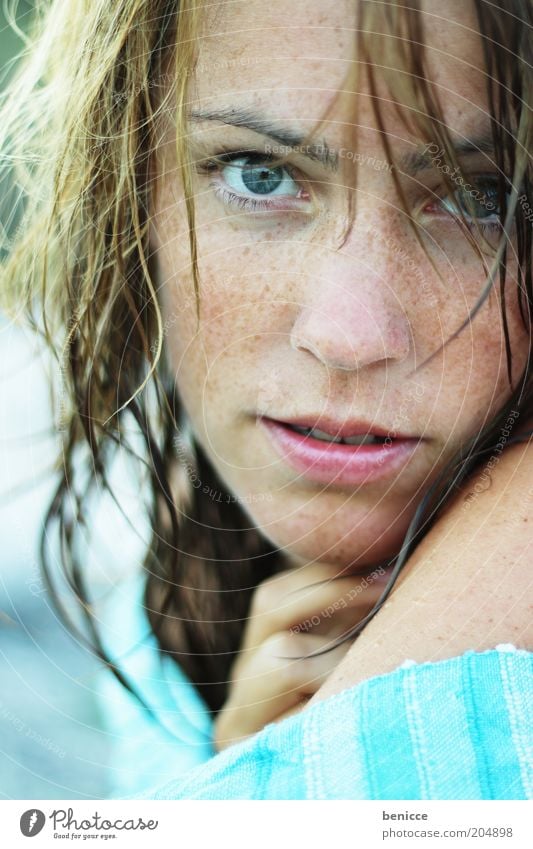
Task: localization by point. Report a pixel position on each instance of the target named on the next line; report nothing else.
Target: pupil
(261, 180)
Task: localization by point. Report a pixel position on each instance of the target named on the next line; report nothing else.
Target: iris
(261, 179)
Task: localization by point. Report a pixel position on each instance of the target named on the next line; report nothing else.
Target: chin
(343, 540)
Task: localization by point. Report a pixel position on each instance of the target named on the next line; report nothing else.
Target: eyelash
(280, 203)
(230, 199)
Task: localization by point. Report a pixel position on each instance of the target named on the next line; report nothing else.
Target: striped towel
(454, 729)
(146, 750)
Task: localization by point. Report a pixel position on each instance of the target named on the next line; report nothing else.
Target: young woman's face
(309, 320)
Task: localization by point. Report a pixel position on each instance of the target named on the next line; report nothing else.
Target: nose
(351, 317)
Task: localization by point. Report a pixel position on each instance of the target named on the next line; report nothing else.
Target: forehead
(291, 58)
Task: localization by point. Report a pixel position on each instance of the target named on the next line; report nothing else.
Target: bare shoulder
(487, 524)
(467, 586)
(497, 498)
(510, 460)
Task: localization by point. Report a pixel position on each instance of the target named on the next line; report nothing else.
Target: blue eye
(477, 201)
(250, 174)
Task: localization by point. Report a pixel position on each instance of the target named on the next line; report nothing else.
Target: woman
(297, 226)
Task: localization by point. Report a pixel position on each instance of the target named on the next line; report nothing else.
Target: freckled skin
(290, 324)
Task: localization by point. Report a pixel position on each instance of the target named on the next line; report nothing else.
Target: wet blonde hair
(79, 126)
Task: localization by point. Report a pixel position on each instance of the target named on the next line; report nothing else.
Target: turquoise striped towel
(454, 729)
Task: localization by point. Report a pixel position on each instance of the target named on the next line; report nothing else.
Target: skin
(302, 314)
(467, 586)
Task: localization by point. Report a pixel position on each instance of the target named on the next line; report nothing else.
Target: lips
(380, 456)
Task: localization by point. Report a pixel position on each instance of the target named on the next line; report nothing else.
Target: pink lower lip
(330, 462)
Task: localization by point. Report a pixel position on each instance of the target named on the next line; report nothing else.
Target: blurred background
(52, 744)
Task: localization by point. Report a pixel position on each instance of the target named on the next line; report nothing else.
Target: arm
(456, 729)
(466, 586)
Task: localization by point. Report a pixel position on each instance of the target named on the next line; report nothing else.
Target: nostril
(299, 344)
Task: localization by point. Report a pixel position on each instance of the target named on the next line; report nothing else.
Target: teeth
(326, 437)
(317, 434)
(360, 439)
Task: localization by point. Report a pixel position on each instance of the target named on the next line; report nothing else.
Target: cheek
(246, 293)
(218, 364)
(468, 380)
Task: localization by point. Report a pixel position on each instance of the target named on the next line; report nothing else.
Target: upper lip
(341, 428)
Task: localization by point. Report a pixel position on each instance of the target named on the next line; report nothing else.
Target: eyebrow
(411, 163)
(414, 162)
(282, 136)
